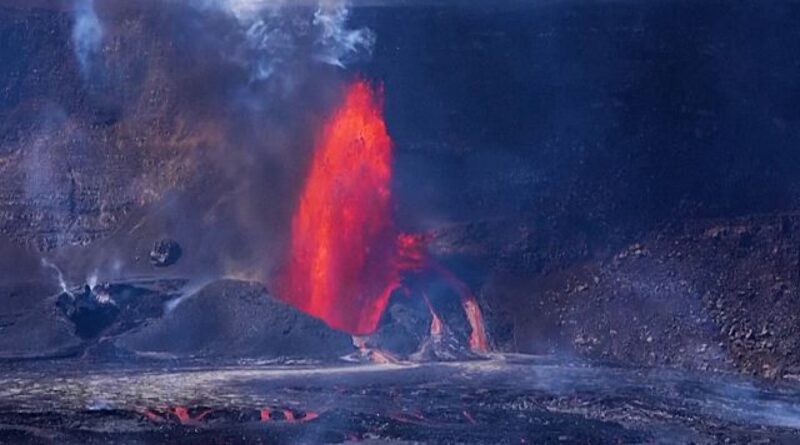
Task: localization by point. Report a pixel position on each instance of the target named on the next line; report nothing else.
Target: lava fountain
(346, 256)
(342, 264)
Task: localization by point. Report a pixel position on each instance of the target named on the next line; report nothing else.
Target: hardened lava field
(502, 399)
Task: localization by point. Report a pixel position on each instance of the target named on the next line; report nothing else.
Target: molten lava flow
(181, 413)
(346, 258)
(478, 341)
(153, 416)
(288, 416)
(373, 355)
(436, 326)
(310, 415)
(411, 253)
(436, 322)
(342, 265)
(265, 414)
(477, 338)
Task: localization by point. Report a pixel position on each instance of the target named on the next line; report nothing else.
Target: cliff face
(78, 152)
(588, 119)
(165, 129)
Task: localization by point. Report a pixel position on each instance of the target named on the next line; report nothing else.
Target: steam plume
(337, 44)
(278, 34)
(87, 34)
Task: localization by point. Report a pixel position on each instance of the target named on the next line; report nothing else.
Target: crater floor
(507, 399)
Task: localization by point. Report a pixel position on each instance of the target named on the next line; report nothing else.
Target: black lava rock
(229, 318)
(165, 252)
(90, 313)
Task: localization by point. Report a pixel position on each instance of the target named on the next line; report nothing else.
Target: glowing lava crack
(346, 257)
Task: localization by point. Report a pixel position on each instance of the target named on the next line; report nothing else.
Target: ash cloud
(87, 34)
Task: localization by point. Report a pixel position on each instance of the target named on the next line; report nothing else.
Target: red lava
(288, 416)
(180, 412)
(342, 260)
(345, 255)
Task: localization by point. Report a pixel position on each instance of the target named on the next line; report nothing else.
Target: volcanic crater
(249, 222)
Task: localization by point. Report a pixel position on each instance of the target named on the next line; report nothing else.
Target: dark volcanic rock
(237, 319)
(408, 329)
(714, 294)
(110, 309)
(70, 166)
(165, 252)
(403, 327)
(30, 325)
(90, 313)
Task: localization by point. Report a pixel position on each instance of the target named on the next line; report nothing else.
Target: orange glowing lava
(181, 413)
(477, 337)
(373, 355)
(342, 265)
(478, 340)
(345, 255)
(288, 416)
(436, 323)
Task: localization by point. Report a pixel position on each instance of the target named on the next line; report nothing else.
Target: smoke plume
(87, 34)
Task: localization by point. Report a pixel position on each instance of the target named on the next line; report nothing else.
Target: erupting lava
(342, 248)
(346, 257)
